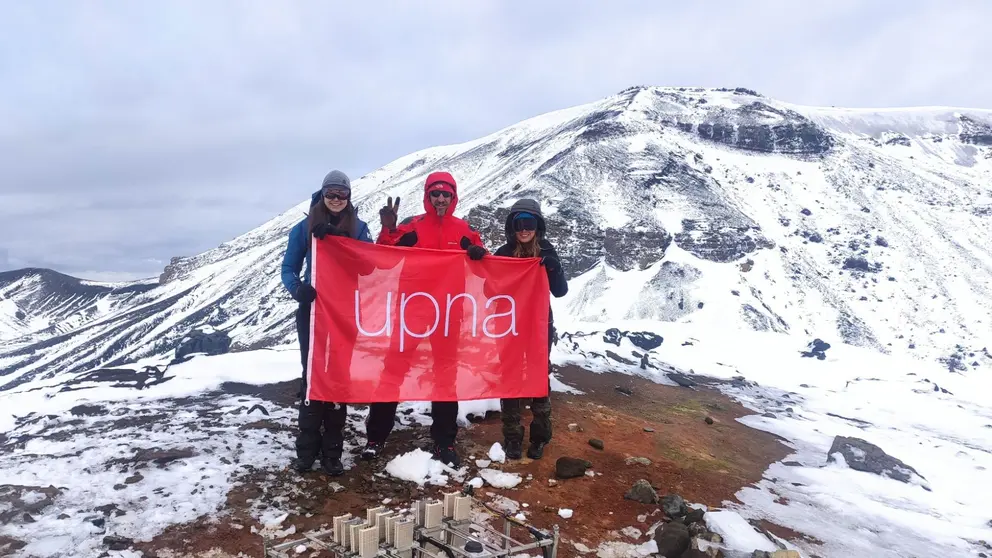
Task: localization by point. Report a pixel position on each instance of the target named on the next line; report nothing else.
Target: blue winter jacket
(298, 251)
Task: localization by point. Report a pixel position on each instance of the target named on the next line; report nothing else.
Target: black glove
(305, 294)
(339, 232)
(476, 252)
(551, 264)
(387, 215)
(323, 229)
(408, 239)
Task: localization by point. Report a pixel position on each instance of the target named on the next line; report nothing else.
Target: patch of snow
(419, 466)
(482, 463)
(737, 533)
(565, 513)
(500, 479)
(497, 454)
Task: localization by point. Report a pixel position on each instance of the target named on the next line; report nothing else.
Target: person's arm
(292, 260)
(552, 265)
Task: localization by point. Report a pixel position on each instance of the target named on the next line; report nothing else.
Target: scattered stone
(638, 461)
(864, 456)
(571, 467)
(63, 516)
(626, 391)
(648, 429)
(642, 518)
(98, 521)
(674, 506)
(552, 482)
(28, 518)
(574, 428)
(694, 516)
(120, 486)
(87, 411)
(709, 420)
(260, 408)
(672, 540)
(642, 492)
(160, 456)
(117, 543)
(135, 478)
(785, 554)
(598, 444)
(769, 415)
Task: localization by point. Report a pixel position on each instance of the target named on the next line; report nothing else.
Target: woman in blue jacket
(331, 214)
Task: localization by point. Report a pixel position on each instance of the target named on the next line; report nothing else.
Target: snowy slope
(696, 206)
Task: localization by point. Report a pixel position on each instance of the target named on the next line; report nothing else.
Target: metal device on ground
(430, 529)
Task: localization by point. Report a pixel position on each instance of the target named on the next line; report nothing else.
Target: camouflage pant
(512, 409)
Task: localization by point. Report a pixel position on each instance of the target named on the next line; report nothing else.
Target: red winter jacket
(443, 233)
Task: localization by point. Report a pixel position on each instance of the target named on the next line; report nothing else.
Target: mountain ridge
(664, 203)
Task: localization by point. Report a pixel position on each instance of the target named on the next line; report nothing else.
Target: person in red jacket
(439, 229)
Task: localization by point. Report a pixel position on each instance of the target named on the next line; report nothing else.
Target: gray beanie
(337, 179)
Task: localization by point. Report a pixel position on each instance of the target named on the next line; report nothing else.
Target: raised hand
(387, 215)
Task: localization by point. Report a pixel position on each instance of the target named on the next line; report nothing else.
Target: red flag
(414, 324)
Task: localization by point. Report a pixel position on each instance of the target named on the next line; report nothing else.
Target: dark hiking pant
(310, 441)
(512, 409)
(444, 426)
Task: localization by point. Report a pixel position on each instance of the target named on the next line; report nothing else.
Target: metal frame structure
(433, 529)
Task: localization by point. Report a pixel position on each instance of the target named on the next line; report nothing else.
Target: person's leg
(334, 416)
(444, 430)
(308, 439)
(513, 431)
(540, 407)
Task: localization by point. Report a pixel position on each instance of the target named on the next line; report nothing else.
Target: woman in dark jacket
(526, 238)
(331, 213)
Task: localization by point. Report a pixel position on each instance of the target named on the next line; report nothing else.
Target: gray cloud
(134, 132)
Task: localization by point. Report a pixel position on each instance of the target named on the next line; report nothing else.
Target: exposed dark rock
(199, 342)
(88, 411)
(626, 391)
(709, 420)
(973, 132)
(681, 379)
(135, 478)
(806, 212)
(260, 408)
(816, 349)
(571, 467)
(645, 340)
(674, 506)
(642, 492)
(598, 444)
(769, 415)
(760, 127)
(610, 354)
(880, 241)
(160, 456)
(855, 263)
(672, 539)
(899, 140)
(719, 242)
(694, 516)
(864, 456)
(117, 543)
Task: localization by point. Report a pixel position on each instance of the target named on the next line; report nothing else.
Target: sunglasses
(440, 193)
(525, 224)
(335, 195)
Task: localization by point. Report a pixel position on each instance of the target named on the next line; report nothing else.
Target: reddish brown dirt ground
(704, 463)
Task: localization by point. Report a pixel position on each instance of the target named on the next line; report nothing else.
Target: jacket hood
(525, 205)
(315, 197)
(440, 181)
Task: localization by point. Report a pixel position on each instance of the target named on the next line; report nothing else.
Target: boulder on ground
(571, 467)
(869, 458)
(642, 492)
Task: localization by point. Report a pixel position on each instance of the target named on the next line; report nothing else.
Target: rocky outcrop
(761, 127)
(203, 341)
(974, 132)
(717, 242)
(869, 458)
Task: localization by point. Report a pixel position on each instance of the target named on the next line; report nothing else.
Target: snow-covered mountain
(703, 206)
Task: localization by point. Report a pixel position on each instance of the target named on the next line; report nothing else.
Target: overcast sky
(131, 132)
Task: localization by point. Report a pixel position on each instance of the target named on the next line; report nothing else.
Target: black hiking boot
(536, 450)
(332, 466)
(371, 451)
(448, 456)
(514, 449)
(303, 465)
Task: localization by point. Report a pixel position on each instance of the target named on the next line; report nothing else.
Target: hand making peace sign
(387, 215)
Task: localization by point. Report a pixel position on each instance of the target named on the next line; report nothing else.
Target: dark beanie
(336, 179)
